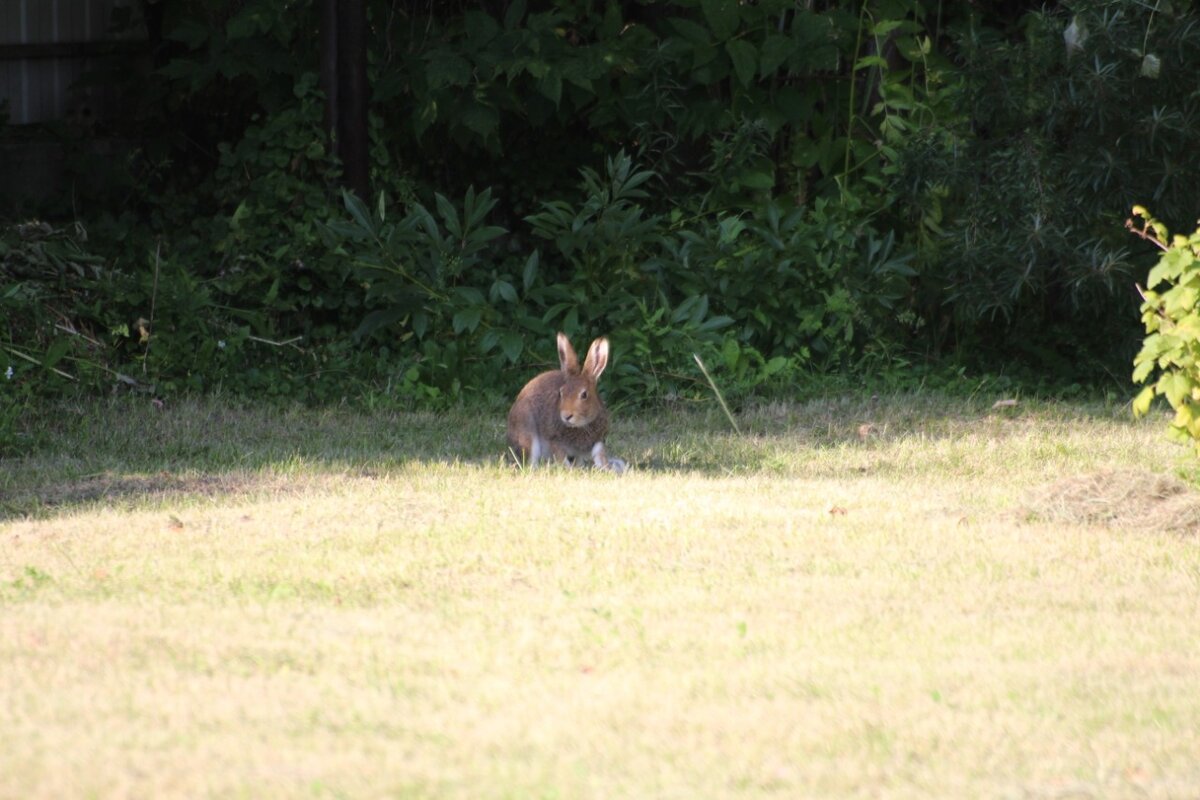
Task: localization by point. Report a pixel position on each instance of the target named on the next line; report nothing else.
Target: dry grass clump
(1130, 499)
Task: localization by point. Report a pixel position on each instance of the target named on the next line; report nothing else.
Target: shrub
(1172, 318)
(1060, 123)
(757, 298)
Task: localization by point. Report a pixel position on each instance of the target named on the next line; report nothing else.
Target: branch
(1145, 233)
(1158, 309)
(284, 343)
(71, 329)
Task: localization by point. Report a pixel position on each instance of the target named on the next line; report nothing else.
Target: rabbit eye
(583, 395)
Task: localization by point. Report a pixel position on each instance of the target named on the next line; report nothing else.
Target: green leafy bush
(757, 299)
(1059, 122)
(811, 283)
(1171, 314)
(275, 189)
(818, 186)
(54, 307)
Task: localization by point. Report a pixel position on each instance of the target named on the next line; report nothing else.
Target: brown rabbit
(559, 414)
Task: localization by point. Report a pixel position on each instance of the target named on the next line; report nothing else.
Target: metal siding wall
(43, 100)
(37, 88)
(12, 73)
(10, 21)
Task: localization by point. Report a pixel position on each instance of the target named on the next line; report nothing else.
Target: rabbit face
(578, 403)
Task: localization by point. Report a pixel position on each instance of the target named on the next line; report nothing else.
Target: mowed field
(890, 597)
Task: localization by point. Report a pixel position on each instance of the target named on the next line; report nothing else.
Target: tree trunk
(344, 67)
(329, 68)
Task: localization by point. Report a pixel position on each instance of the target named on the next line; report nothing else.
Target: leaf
(481, 28)
(469, 296)
(1143, 368)
(427, 114)
(870, 61)
(885, 26)
(481, 236)
(244, 25)
(716, 323)
(483, 120)
(358, 211)
(744, 58)
(1180, 301)
(730, 353)
(1176, 386)
(722, 17)
(467, 319)
(55, 352)
(776, 50)
(775, 365)
(1185, 418)
(529, 274)
(476, 208)
(1141, 403)
(635, 180)
(684, 309)
(378, 319)
(420, 216)
(575, 72)
(420, 324)
(610, 28)
(554, 310)
(755, 179)
(1158, 273)
(512, 344)
(551, 86)
(514, 14)
(693, 32)
(446, 68)
(504, 290)
(449, 215)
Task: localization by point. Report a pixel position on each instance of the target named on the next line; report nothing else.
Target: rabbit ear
(597, 358)
(567, 360)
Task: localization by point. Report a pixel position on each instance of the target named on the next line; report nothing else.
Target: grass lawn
(895, 597)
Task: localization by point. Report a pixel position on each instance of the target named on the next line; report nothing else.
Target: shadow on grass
(129, 452)
(121, 452)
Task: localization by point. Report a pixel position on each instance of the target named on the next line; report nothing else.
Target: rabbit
(559, 414)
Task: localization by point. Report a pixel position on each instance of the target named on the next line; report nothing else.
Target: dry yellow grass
(812, 610)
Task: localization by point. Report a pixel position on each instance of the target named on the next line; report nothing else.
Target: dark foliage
(780, 188)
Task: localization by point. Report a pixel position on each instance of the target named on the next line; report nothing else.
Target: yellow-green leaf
(1142, 369)
(1176, 386)
(1141, 403)
(1184, 416)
